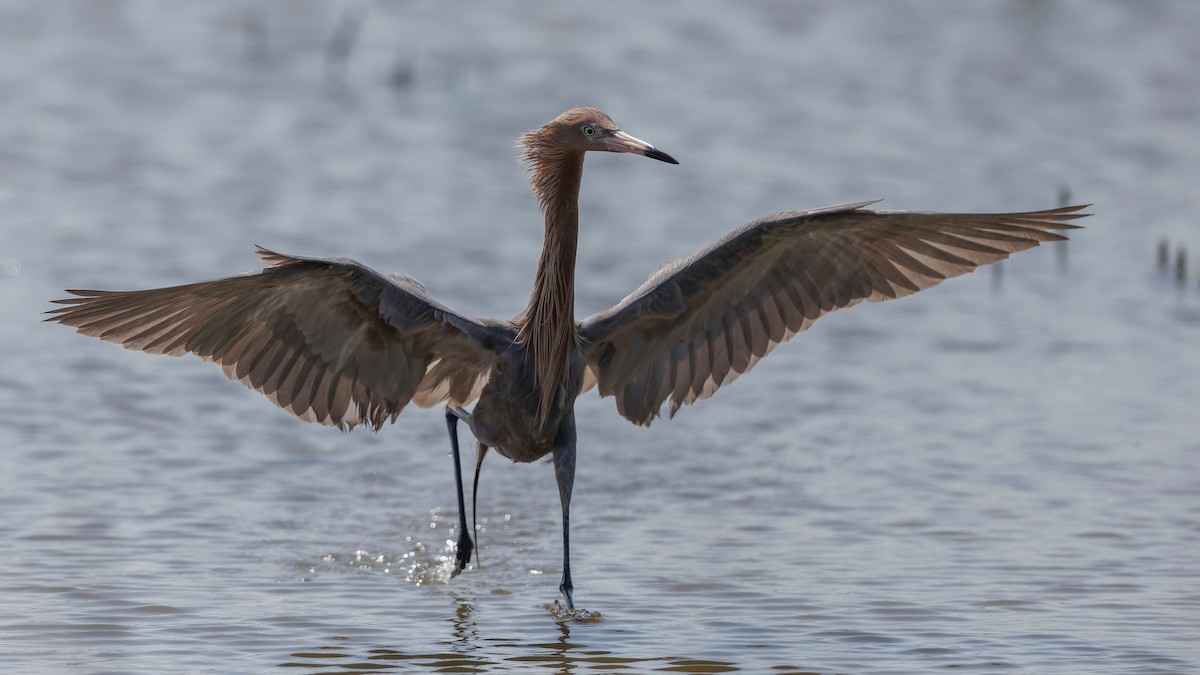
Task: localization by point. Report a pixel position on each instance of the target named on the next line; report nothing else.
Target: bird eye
(589, 130)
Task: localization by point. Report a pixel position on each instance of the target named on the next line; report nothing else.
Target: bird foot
(462, 554)
(568, 589)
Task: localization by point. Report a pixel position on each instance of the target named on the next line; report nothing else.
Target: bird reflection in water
(467, 651)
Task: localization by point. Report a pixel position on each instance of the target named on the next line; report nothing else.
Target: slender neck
(547, 325)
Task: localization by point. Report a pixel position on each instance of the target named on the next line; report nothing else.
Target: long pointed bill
(620, 141)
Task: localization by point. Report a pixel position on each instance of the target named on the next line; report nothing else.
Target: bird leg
(462, 553)
(564, 471)
(480, 451)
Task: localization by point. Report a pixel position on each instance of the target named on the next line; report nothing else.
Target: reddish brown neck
(547, 325)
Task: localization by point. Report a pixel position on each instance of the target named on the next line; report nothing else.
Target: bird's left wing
(701, 322)
(327, 339)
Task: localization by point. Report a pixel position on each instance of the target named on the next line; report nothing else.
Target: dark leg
(480, 451)
(564, 471)
(464, 547)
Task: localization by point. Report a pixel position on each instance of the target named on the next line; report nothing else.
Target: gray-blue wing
(329, 340)
(701, 322)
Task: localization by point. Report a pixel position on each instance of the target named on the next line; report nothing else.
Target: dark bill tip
(655, 153)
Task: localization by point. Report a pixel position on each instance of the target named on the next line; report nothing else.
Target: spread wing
(329, 340)
(701, 322)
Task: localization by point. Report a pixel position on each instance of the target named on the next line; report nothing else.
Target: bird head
(582, 130)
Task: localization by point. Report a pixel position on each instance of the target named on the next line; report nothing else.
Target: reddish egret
(333, 341)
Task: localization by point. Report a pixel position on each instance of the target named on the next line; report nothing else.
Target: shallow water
(999, 474)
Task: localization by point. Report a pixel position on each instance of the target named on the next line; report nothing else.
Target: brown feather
(546, 327)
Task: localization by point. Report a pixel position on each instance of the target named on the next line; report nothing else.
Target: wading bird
(333, 341)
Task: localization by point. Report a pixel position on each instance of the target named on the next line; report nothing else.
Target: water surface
(999, 474)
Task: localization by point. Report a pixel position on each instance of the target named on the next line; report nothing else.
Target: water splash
(563, 613)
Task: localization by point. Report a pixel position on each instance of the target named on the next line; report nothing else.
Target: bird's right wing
(329, 340)
(699, 323)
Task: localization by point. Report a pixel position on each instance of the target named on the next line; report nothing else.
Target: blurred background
(1000, 473)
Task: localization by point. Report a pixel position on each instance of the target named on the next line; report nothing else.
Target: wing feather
(329, 340)
(699, 323)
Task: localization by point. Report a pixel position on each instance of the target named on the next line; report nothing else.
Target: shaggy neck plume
(547, 325)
